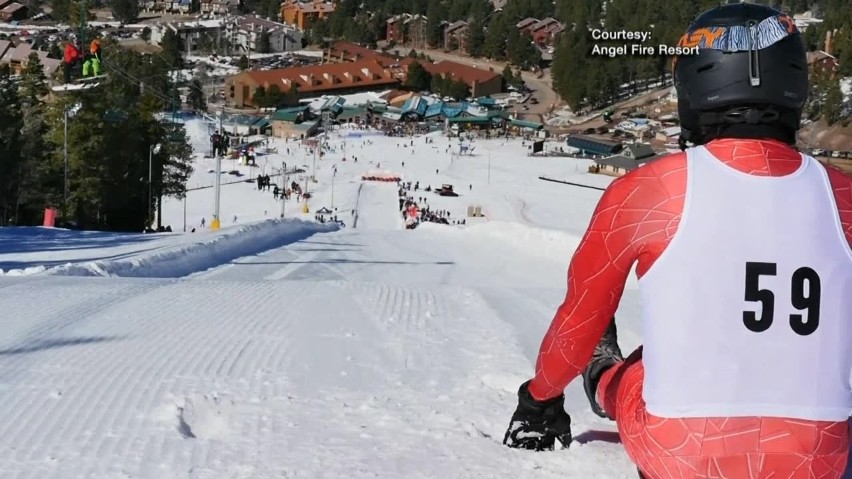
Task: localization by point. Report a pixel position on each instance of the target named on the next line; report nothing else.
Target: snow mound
(186, 259)
(23, 271)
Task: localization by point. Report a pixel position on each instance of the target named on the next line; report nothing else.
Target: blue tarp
(407, 106)
(454, 111)
(415, 105)
(434, 109)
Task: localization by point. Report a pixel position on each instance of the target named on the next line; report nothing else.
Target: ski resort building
(631, 157)
(189, 32)
(543, 32)
(594, 146)
(481, 82)
(312, 81)
(17, 56)
(219, 7)
(303, 14)
(246, 31)
(407, 28)
(13, 12)
(455, 36)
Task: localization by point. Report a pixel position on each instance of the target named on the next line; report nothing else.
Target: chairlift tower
(216, 223)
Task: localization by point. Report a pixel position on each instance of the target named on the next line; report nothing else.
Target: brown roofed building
(525, 24)
(17, 57)
(455, 36)
(304, 14)
(822, 63)
(407, 28)
(313, 80)
(350, 52)
(12, 12)
(546, 31)
(5, 45)
(342, 52)
(417, 32)
(481, 82)
(394, 31)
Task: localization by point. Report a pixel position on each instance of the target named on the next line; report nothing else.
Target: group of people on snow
(91, 59)
(413, 213)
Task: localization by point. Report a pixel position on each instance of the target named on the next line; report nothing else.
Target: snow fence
(216, 249)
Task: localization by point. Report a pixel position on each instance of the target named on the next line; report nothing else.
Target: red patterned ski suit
(635, 220)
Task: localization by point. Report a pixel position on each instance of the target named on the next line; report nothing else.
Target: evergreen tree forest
(111, 133)
(581, 79)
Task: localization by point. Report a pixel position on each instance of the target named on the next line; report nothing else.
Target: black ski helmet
(751, 67)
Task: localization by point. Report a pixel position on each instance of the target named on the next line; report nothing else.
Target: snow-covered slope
(289, 349)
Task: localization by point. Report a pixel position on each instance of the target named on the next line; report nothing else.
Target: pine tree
(197, 100)
(10, 144)
(125, 10)
(475, 38)
(833, 106)
(243, 63)
(173, 48)
(60, 10)
(33, 189)
(259, 98)
(263, 45)
(436, 14)
(418, 79)
(175, 167)
(508, 77)
(495, 38)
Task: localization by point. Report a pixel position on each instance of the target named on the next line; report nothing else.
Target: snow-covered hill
(291, 349)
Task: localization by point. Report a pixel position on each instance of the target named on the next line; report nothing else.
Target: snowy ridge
(183, 260)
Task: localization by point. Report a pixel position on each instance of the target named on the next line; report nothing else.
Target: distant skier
(72, 56)
(745, 310)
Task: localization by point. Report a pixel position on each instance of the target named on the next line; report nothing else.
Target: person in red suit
(72, 56)
(743, 249)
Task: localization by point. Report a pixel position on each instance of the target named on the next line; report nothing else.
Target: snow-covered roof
(196, 25)
(671, 131)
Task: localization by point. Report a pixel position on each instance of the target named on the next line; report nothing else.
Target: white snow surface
(285, 348)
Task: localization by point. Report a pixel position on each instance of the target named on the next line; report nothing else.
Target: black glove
(537, 424)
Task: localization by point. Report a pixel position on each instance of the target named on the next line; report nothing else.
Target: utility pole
(69, 112)
(333, 174)
(150, 186)
(184, 210)
(65, 180)
(151, 151)
(214, 225)
(283, 185)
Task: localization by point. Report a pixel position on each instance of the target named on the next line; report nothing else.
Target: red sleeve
(634, 220)
(841, 183)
